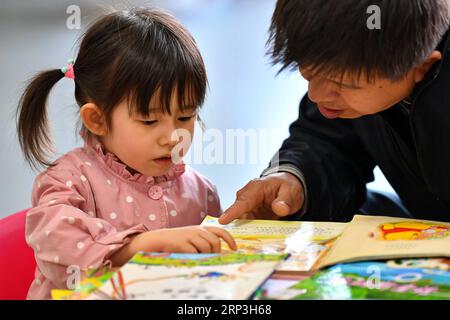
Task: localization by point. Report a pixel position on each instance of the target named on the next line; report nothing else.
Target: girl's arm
(64, 236)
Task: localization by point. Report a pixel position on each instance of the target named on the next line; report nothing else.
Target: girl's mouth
(163, 161)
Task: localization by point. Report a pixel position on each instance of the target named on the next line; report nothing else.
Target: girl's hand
(192, 239)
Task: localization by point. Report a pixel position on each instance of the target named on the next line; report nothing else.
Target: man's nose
(321, 91)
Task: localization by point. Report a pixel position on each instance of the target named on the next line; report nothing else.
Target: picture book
(94, 279)
(405, 279)
(277, 284)
(264, 245)
(305, 241)
(377, 237)
(157, 276)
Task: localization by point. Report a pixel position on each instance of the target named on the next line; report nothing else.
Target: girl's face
(146, 144)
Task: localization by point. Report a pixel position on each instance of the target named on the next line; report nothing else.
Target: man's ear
(421, 70)
(93, 119)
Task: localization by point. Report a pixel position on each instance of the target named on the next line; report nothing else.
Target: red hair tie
(68, 71)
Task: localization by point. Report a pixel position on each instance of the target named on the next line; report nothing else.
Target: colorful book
(315, 245)
(305, 241)
(404, 279)
(161, 276)
(377, 237)
(93, 280)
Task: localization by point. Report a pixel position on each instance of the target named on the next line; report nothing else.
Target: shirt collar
(433, 73)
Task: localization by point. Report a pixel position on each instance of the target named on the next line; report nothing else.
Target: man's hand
(271, 197)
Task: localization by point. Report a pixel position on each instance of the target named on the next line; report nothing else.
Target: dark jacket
(410, 144)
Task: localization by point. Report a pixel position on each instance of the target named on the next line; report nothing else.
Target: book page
(155, 276)
(305, 241)
(377, 237)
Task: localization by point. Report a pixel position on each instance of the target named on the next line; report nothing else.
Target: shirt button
(178, 168)
(155, 192)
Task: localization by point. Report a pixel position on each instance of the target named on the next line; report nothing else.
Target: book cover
(404, 279)
(378, 237)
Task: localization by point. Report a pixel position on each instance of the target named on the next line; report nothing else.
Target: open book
(314, 245)
(305, 241)
(377, 237)
(262, 247)
(174, 276)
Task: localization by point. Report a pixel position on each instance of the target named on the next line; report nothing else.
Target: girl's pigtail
(32, 123)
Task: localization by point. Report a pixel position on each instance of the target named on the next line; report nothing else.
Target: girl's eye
(185, 119)
(148, 122)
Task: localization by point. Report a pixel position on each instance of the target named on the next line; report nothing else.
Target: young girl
(139, 78)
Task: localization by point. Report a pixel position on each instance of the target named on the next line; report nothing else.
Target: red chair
(17, 263)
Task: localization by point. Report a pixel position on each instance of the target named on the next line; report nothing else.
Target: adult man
(376, 96)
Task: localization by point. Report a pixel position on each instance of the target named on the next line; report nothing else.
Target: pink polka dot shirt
(88, 204)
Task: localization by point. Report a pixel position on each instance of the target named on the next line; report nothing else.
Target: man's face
(352, 99)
